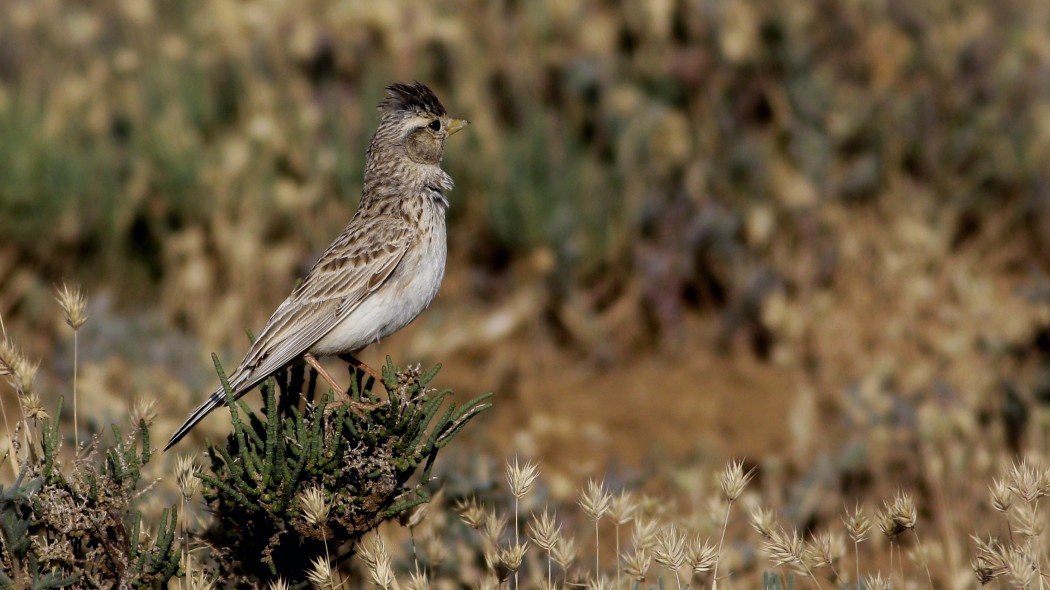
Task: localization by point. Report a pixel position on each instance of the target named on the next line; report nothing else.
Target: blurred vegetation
(679, 141)
(855, 193)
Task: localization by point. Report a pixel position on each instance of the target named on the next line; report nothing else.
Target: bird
(381, 272)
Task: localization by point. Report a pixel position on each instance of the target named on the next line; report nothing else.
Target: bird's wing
(357, 263)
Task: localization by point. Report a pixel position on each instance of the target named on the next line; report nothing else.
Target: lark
(382, 271)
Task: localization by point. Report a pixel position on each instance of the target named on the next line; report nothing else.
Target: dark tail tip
(215, 400)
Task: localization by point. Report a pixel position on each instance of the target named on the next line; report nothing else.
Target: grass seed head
(144, 409)
(858, 524)
(1027, 520)
(186, 476)
(377, 559)
(73, 303)
(763, 521)
(315, 508)
(543, 530)
(320, 573)
(703, 554)
(418, 581)
(594, 500)
(278, 584)
(784, 548)
(645, 533)
(1026, 482)
(1001, 495)
(622, 508)
(521, 477)
(494, 526)
(564, 553)
(512, 556)
(471, 513)
(636, 564)
(733, 480)
(897, 516)
(877, 582)
(670, 548)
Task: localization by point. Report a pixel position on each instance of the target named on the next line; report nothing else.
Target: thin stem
(618, 555)
(856, 556)
(596, 544)
(516, 536)
(721, 539)
(76, 422)
(926, 563)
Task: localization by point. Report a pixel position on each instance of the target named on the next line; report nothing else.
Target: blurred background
(813, 235)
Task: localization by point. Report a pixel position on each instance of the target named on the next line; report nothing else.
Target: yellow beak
(456, 124)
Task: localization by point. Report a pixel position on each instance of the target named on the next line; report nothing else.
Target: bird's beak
(456, 124)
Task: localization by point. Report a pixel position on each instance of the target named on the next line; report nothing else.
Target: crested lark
(382, 271)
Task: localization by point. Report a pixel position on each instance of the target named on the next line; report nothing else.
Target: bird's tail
(214, 400)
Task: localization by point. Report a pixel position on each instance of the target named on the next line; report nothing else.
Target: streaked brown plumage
(385, 267)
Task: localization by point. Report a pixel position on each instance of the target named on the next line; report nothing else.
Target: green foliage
(361, 459)
(75, 526)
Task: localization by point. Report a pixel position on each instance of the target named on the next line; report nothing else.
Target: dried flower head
(543, 530)
(418, 581)
(763, 521)
(1027, 521)
(877, 582)
(703, 554)
(377, 559)
(144, 409)
(320, 573)
(313, 504)
(278, 584)
(990, 560)
(645, 533)
(564, 551)
(823, 550)
(33, 407)
(858, 525)
(733, 480)
(512, 556)
(622, 508)
(1001, 495)
(494, 526)
(7, 354)
(73, 303)
(670, 548)
(186, 476)
(521, 477)
(636, 565)
(1026, 482)
(1021, 566)
(784, 548)
(897, 516)
(594, 500)
(471, 513)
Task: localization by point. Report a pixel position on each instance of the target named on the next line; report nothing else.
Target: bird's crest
(415, 97)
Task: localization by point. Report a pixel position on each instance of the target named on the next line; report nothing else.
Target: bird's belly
(393, 305)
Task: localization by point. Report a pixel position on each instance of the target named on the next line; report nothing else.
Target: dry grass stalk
(73, 304)
(471, 513)
(320, 573)
(378, 562)
(315, 508)
(595, 501)
(637, 563)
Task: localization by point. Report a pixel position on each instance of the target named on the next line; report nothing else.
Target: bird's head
(413, 119)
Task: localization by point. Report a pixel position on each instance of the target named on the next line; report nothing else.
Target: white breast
(408, 291)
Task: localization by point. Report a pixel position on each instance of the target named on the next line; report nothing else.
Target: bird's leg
(349, 358)
(312, 361)
(355, 406)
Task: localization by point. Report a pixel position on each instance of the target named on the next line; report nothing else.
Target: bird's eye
(435, 125)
